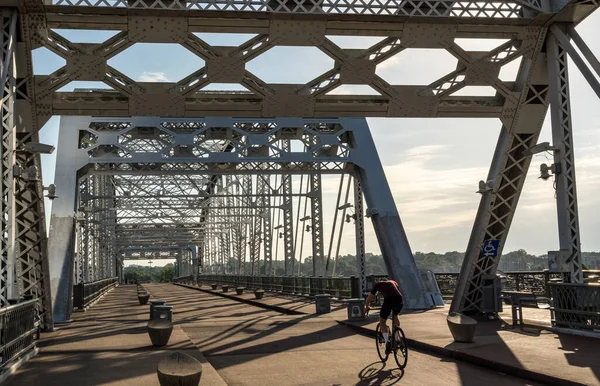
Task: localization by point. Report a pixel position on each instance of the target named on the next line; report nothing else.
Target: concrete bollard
(239, 290)
(143, 298)
(179, 369)
(461, 327)
(160, 331)
(259, 293)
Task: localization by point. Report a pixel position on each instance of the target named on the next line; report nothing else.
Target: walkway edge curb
(472, 359)
(247, 301)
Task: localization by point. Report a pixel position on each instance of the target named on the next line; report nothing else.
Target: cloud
(152, 77)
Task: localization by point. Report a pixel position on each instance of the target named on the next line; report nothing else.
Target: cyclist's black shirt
(388, 288)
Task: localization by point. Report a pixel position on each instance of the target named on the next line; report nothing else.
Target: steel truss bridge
(218, 179)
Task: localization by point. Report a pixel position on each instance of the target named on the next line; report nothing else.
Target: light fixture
(51, 191)
(36, 147)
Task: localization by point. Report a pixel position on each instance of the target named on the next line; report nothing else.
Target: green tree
(167, 273)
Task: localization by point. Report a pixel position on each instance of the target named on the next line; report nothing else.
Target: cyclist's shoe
(388, 347)
(398, 337)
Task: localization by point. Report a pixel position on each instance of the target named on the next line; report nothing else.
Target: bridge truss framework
(537, 31)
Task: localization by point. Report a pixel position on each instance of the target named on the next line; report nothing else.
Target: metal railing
(536, 282)
(527, 281)
(86, 293)
(19, 330)
(576, 306)
(340, 287)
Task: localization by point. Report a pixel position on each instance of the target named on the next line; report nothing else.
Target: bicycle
(394, 345)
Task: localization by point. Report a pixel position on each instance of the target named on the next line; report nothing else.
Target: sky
(432, 165)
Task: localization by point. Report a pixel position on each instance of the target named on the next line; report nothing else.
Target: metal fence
(339, 287)
(526, 281)
(86, 293)
(19, 329)
(576, 306)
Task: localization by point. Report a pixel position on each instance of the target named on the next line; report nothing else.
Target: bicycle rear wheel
(380, 343)
(401, 350)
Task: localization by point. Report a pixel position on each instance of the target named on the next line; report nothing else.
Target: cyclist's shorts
(393, 306)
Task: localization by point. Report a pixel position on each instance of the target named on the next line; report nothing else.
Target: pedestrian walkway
(107, 345)
(534, 353)
(243, 344)
(238, 343)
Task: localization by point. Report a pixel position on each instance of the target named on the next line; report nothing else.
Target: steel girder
(442, 21)
(523, 21)
(23, 265)
(359, 224)
(267, 226)
(8, 84)
(564, 155)
(541, 75)
(520, 131)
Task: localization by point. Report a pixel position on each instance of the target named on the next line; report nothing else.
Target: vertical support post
(194, 253)
(316, 214)
(288, 224)
(8, 39)
(256, 229)
(564, 158)
(359, 226)
(393, 241)
(267, 226)
(521, 126)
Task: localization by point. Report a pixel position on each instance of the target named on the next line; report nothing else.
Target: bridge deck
(249, 345)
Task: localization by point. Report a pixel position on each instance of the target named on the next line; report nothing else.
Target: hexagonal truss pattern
(228, 65)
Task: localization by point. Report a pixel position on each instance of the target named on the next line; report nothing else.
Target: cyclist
(392, 303)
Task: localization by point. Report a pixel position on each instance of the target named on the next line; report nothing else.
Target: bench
(518, 300)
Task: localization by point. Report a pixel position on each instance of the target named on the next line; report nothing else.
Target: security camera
(544, 172)
(485, 187)
(36, 147)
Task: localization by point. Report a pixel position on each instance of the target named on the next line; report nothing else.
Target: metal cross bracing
(543, 81)
(519, 22)
(207, 199)
(192, 147)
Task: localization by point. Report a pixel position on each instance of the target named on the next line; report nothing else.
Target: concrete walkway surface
(107, 345)
(534, 353)
(242, 341)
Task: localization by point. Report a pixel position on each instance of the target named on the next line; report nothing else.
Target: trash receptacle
(356, 309)
(163, 311)
(323, 304)
(492, 289)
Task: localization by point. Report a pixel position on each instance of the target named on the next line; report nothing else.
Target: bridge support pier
(61, 242)
(381, 208)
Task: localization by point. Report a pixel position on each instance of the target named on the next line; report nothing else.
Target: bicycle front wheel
(380, 342)
(401, 350)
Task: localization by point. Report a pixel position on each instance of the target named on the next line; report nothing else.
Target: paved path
(107, 345)
(534, 352)
(252, 346)
(242, 344)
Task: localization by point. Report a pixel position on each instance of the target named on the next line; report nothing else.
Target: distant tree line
(448, 262)
(146, 274)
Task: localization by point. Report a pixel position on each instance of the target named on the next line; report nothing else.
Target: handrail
(576, 305)
(19, 330)
(86, 293)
